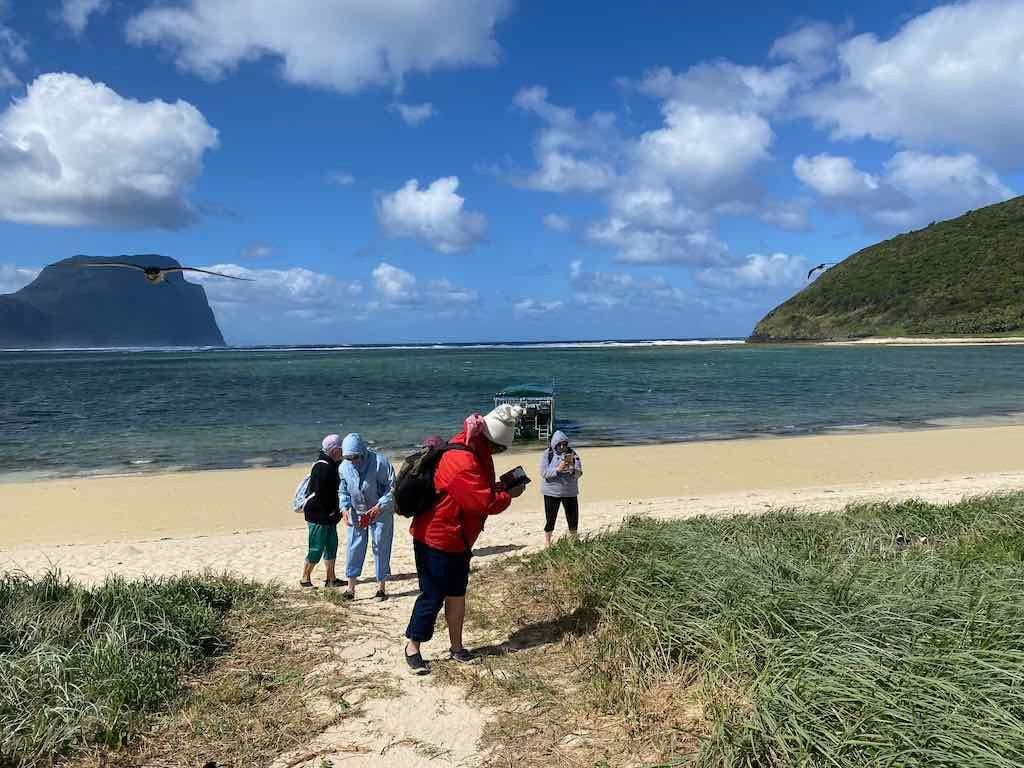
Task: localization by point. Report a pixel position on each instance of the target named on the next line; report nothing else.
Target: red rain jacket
(465, 482)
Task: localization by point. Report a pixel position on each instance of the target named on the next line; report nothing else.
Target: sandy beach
(240, 521)
(180, 521)
(926, 341)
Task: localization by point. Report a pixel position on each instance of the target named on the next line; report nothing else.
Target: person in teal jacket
(367, 499)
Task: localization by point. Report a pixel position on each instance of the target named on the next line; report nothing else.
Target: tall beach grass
(888, 635)
(82, 667)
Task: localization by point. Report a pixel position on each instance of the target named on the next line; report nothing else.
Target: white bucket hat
(501, 423)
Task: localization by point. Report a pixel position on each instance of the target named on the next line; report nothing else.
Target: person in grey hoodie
(560, 470)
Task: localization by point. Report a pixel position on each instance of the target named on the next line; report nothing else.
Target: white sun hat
(501, 423)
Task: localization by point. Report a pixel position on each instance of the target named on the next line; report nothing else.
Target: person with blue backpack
(367, 493)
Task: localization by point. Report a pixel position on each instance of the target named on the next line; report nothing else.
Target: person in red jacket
(443, 537)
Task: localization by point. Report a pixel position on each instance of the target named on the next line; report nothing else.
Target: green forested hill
(961, 277)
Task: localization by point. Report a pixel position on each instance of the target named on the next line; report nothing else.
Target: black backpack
(415, 492)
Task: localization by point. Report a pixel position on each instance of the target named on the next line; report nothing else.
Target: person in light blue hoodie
(368, 502)
(560, 471)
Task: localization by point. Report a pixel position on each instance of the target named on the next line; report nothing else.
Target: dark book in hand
(514, 477)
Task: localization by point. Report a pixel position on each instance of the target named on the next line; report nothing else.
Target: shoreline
(926, 341)
(150, 470)
(63, 513)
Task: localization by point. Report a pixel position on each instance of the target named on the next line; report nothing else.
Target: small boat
(538, 422)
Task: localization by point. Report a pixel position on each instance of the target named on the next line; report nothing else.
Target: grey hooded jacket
(561, 485)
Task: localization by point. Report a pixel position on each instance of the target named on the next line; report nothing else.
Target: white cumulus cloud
(571, 154)
(394, 285)
(912, 189)
(434, 215)
(705, 152)
(599, 290)
(398, 288)
(13, 278)
(344, 45)
(651, 245)
(663, 186)
(277, 294)
(75, 153)
(757, 272)
(414, 114)
(75, 14)
(835, 176)
(953, 76)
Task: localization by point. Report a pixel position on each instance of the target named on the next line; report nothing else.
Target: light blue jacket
(371, 483)
(562, 485)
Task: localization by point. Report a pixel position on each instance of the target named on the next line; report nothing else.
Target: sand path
(424, 723)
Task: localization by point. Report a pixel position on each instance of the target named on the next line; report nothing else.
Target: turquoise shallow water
(81, 412)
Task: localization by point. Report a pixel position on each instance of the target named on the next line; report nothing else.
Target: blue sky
(439, 170)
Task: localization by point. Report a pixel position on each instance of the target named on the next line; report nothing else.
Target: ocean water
(82, 412)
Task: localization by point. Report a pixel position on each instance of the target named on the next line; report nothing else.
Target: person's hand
(374, 512)
(517, 490)
(346, 517)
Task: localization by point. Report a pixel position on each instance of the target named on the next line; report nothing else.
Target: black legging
(572, 512)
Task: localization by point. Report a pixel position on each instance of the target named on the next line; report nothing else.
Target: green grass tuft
(82, 667)
(891, 635)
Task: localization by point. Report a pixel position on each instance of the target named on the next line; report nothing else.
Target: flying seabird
(826, 265)
(157, 274)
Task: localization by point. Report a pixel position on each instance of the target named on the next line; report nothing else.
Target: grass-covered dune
(82, 667)
(888, 635)
(961, 277)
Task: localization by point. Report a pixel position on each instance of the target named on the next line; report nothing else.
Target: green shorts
(323, 542)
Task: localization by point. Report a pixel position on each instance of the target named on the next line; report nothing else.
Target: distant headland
(70, 305)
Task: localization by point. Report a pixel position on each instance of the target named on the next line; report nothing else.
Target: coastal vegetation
(188, 670)
(888, 634)
(961, 277)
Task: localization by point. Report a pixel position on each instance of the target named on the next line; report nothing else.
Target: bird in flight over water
(157, 274)
(818, 268)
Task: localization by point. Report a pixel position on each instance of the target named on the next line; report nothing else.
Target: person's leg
(572, 514)
(550, 515)
(356, 555)
(455, 600)
(315, 550)
(429, 602)
(455, 615)
(383, 532)
(330, 553)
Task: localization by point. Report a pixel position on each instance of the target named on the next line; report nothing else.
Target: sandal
(335, 583)
(306, 584)
(347, 595)
(381, 596)
(463, 656)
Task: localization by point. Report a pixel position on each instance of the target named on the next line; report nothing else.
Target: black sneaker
(462, 656)
(416, 663)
